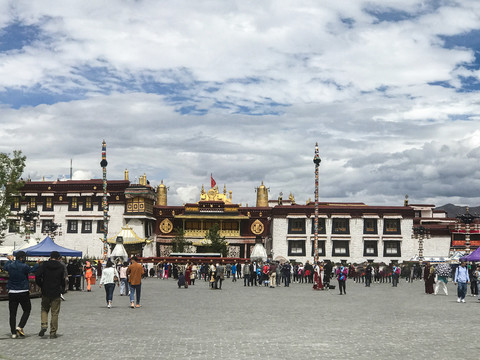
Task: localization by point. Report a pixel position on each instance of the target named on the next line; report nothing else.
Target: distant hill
(454, 210)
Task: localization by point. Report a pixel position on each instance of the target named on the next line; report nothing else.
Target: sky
(243, 90)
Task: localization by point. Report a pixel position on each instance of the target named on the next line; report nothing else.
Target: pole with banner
(104, 164)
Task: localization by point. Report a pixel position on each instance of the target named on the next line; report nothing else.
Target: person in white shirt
(108, 279)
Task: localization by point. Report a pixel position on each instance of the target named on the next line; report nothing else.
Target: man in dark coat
(18, 291)
(51, 279)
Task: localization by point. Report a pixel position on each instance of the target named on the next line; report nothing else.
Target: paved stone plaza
(239, 322)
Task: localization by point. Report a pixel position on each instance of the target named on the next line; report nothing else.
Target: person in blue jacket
(18, 291)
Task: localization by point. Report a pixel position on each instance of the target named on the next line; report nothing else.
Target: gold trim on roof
(129, 237)
(207, 216)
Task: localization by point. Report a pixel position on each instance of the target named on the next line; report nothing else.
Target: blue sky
(244, 90)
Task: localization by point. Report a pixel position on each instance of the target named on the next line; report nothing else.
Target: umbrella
(443, 270)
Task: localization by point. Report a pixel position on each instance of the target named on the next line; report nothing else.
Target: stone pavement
(240, 322)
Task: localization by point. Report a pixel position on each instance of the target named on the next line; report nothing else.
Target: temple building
(76, 207)
(141, 218)
(239, 225)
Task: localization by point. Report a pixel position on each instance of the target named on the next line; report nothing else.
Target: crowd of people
(54, 277)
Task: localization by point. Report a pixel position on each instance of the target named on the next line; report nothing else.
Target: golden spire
(162, 194)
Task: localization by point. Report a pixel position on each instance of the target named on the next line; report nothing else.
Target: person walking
(246, 274)
(219, 276)
(135, 272)
(124, 279)
(429, 278)
(88, 275)
(108, 279)
(51, 279)
(342, 273)
(18, 291)
(461, 280)
(442, 271)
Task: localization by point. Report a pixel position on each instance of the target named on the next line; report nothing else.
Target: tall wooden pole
(104, 164)
(316, 160)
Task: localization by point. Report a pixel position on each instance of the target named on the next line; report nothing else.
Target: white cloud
(359, 86)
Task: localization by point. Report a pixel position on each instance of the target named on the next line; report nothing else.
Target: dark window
(32, 203)
(72, 226)
(296, 226)
(73, 204)
(148, 229)
(209, 224)
(459, 237)
(48, 204)
(193, 225)
(340, 248)
(86, 226)
(340, 226)
(15, 206)
(230, 225)
(88, 204)
(391, 249)
(45, 224)
(296, 248)
(13, 226)
(99, 226)
(370, 226)
(321, 226)
(320, 247)
(370, 248)
(391, 226)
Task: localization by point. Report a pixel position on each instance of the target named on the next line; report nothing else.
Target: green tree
(179, 243)
(218, 243)
(11, 168)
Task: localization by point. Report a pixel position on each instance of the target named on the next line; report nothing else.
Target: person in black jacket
(51, 279)
(18, 291)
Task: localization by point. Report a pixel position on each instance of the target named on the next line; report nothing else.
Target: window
(15, 206)
(209, 224)
(320, 247)
(148, 229)
(73, 204)
(86, 226)
(99, 226)
(45, 225)
(32, 203)
(48, 204)
(13, 226)
(321, 226)
(296, 248)
(88, 204)
(370, 226)
(230, 225)
(340, 248)
(370, 248)
(296, 226)
(391, 248)
(136, 205)
(193, 225)
(340, 226)
(391, 226)
(72, 226)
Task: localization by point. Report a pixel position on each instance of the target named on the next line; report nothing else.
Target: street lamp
(316, 161)
(51, 229)
(29, 217)
(466, 219)
(420, 233)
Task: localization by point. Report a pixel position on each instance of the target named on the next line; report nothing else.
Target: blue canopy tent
(45, 247)
(474, 256)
